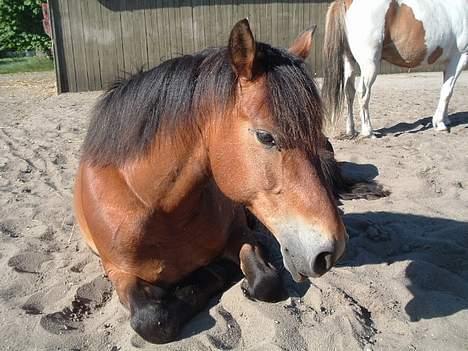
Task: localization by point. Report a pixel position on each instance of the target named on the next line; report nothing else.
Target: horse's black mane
(173, 97)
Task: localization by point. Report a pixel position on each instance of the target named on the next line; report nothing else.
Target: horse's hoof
(371, 134)
(367, 136)
(441, 127)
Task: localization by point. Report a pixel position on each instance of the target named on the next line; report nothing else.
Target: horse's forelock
(294, 101)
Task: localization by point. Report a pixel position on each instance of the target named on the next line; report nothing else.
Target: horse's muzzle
(312, 257)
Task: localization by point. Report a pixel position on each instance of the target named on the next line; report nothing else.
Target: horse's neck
(177, 185)
(168, 178)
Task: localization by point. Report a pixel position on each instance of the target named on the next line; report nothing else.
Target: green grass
(25, 64)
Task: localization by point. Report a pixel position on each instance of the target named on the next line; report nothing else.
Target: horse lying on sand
(174, 154)
(406, 33)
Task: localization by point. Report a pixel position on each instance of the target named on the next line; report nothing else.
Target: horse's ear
(303, 43)
(242, 49)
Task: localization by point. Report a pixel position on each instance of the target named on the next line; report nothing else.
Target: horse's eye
(265, 138)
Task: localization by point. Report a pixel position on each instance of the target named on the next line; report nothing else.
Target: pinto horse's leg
(368, 75)
(350, 92)
(454, 67)
(262, 281)
(158, 314)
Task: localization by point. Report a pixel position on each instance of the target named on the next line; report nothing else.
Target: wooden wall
(97, 41)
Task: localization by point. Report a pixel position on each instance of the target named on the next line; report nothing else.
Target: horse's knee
(152, 314)
(264, 285)
(158, 316)
(155, 323)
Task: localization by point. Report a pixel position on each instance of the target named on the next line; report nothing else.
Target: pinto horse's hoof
(441, 127)
(372, 135)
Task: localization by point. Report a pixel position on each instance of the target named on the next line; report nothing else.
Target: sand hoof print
(89, 298)
(229, 338)
(28, 262)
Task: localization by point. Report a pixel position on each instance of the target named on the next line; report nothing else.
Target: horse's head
(265, 153)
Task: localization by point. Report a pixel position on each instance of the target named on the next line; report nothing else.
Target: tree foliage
(21, 26)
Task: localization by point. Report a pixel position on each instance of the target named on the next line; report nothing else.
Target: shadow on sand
(456, 119)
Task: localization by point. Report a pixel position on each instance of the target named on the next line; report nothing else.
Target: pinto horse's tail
(334, 48)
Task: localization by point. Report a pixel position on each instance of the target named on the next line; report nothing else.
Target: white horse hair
(407, 33)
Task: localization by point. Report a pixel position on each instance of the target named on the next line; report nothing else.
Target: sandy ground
(403, 284)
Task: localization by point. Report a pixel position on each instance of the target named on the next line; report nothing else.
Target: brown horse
(174, 154)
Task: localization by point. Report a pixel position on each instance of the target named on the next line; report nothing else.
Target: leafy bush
(21, 26)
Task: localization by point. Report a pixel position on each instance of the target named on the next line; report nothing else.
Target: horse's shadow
(456, 119)
(436, 248)
(358, 172)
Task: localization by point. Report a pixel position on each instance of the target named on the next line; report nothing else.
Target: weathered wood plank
(127, 40)
(164, 48)
(107, 38)
(220, 27)
(319, 20)
(253, 15)
(152, 40)
(264, 22)
(198, 25)
(68, 45)
(294, 22)
(210, 24)
(140, 34)
(78, 40)
(186, 27)
(284, 25)
(176, 29)
(91, 28)
(235, 15)
(60, 46)
(207, 24)
(133, 35)
(224, 18)
(275, 23)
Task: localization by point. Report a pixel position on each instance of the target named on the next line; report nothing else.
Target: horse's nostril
(323, 262)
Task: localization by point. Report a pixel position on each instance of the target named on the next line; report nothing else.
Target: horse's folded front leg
(262, 280)
(158, 314)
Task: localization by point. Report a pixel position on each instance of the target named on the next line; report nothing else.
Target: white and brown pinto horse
(407, 33)
(174, 155)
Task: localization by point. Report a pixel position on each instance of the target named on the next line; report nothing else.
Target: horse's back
(414, 32)
(445, 24)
